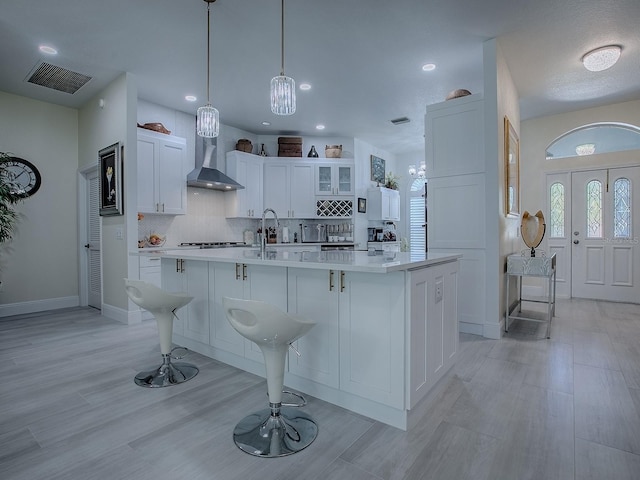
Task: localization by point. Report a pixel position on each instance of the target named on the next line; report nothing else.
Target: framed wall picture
(377, 169)
(110, 183)
(362, 205)
(511, 170)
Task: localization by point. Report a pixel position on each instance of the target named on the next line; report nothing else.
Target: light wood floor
(522, 407)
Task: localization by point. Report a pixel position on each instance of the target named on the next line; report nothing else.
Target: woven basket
(333, 151)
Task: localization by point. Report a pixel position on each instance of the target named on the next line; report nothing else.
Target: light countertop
(355, 261)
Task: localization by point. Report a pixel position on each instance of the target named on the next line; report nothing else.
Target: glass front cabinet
(334, 179)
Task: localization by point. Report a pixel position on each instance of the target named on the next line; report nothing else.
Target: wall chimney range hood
(207, 175)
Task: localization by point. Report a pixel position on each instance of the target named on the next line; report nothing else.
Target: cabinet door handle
(331, 280)
(237, 271)
(341, 280)
(178, 265)
(163, 208)
(293, 214)
(244, 271)
(182, 265)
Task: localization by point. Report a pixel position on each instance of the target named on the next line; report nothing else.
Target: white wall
(99, 128)
(38, 268)
(507, 239)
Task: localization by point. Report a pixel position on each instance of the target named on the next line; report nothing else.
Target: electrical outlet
(439, 288)
(119, 234)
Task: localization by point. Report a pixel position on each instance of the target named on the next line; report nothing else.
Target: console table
(524, 266)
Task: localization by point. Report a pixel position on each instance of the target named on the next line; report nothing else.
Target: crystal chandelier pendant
(208, 121)
(283, 95)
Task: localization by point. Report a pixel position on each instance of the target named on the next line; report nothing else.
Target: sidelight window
(556, 200)
(622, 208)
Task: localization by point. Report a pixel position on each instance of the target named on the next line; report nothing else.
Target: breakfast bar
(387, 326)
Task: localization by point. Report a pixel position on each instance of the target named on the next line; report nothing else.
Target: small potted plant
(391, 181)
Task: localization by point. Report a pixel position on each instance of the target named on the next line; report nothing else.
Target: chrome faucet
(263, 243)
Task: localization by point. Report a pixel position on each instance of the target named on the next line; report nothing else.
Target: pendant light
(208, 118)
(283, 88)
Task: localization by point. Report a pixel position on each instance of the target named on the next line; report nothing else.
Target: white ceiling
(362, 57)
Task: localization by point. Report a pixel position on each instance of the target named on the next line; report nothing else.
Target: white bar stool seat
(162, 305)
(275, 431)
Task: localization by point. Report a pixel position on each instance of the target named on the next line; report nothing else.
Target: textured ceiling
(363, 58)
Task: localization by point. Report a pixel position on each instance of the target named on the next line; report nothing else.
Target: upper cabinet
(162, 186)
(334, 179)
(246, 169)
(384, 204)
(455, 137)
(288, 188)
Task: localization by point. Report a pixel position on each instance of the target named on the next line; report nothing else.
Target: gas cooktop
(212, 244)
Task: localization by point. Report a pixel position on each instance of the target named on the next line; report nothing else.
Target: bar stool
(162, 305)
(275, 431)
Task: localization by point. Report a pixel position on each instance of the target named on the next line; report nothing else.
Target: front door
(605, 227)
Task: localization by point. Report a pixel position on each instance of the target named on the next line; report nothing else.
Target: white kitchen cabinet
(189, 276)
(372, 335)
(149, 271)
(288, 188)
(246, 169)
(357, 345)
(433, 336)
(334, 179)
(251, 282)
(313, 294)
(383, 204)
(162, 186)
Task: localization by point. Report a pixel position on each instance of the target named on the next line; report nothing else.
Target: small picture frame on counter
(362, 205)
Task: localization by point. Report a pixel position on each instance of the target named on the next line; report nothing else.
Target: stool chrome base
(275, 432)
(167, 374)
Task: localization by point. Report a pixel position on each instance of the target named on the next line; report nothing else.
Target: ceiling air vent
(400, 121)
(58, 78)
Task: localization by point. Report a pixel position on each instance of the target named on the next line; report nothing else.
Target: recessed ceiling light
(320, 127)
(49, 50)
(266, 124)
(601, 58)
(305, 86)
(190, 98)
(427, 67)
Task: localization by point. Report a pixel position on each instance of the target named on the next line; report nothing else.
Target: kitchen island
(387, 327)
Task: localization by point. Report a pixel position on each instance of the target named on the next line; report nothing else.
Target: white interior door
(92, 247)
(605, 217)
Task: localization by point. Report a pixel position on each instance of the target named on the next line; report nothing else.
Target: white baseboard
(472, 328)
(493, 330)
(128, 317)
(33, 306)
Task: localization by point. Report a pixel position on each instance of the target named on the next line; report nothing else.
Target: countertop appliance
(213, 244)
(314, 233)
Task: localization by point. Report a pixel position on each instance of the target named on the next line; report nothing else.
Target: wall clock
(21, 175)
